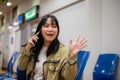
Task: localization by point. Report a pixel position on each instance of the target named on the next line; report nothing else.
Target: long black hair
(54, 46)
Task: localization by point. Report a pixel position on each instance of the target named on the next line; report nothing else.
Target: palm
(78, 45)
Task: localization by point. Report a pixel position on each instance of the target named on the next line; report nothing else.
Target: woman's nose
(50, 27)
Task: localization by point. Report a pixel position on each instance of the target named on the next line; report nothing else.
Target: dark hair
(53, 47)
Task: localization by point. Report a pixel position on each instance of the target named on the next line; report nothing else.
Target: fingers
(82, 42)
(83, 46)
(37, 33)
(78, 45)
(70, 42)
(77, 40)
(35, 37)
(33, 40)
(32, 43)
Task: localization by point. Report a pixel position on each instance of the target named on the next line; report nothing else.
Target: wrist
(27, 48)
(71, 55)
(71, 59)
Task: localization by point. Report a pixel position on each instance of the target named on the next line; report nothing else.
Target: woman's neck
(46, 44)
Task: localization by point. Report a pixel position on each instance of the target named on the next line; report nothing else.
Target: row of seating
(104, 68)
(9, 73)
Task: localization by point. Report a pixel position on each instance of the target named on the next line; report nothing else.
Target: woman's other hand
(78, 45)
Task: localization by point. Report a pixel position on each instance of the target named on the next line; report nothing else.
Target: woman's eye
(46, 25)
(54, 26)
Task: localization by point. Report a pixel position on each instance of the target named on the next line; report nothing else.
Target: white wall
(17, 46)
(49, 6)
(72, 25)
(5, 40)
(110, 26)
(11, 43)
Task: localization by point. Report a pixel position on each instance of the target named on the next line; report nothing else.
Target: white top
(39, 65)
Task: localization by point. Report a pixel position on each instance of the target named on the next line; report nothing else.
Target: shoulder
(61, 53)
(63, 49)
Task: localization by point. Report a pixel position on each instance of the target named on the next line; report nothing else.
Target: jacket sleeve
(23, 59)
(69, 69)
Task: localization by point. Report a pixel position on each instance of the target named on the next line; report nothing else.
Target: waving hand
(78, 45)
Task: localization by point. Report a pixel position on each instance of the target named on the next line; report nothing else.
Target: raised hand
(78, 45)
(32, 41)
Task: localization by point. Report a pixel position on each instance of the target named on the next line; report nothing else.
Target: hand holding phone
(32, 41)
(35, 37)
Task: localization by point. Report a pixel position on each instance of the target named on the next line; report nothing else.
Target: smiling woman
(44, 57)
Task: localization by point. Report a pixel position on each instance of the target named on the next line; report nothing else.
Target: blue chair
(21, 74)
(81, 62)
(11, 62)
(10, 79)
(105, 66)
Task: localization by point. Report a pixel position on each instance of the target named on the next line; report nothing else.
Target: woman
(45, 58)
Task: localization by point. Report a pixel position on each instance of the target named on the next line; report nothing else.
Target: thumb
(70, 42)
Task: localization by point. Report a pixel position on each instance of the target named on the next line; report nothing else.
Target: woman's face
(49, 32)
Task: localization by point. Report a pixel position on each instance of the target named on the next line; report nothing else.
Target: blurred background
(98, 20)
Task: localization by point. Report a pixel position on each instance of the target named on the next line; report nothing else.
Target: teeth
(50, 34)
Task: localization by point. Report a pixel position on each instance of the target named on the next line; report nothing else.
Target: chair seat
(105, 66)
(104, 70)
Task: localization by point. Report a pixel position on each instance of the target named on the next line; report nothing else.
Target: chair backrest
(11, 63)
(81, 62)
(105, 66)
